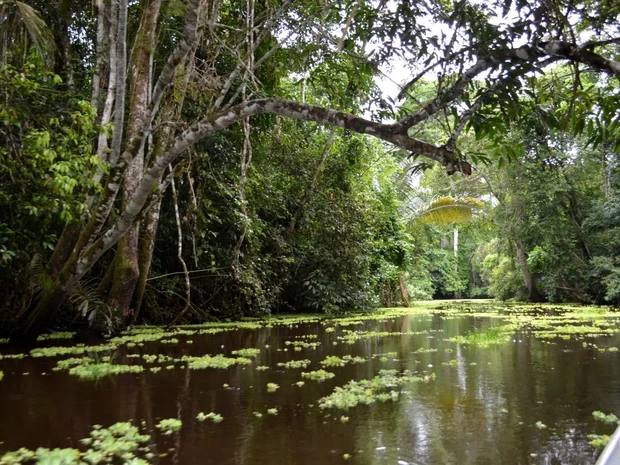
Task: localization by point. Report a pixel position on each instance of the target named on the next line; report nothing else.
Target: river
(525, 398)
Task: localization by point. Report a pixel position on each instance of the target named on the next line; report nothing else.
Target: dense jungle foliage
(168, 161)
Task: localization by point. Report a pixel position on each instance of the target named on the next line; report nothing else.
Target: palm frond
(17, 17)
(85, 298)
(444, 210)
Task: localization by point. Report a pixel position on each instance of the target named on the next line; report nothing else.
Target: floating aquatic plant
(214, 417)
(335, 361)
(540, 425)
(272, 411)
(298, 345)
(71, 362)
(169, 425)
(12, 356)
(262, 368)
(295, 364)
(100, 370)
(272, 387)
(217, 361)
(247, 352)
(600, 416)
(422, 350)
(120, 442)
(598, 441)
(367, 391)
(491, 336)
(73, 350)
(318, 375)
(1, 375)
(57, 335)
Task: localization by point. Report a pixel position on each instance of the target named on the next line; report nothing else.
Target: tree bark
(127, 269)
(530, 284)
(403, 289)
(148, 234)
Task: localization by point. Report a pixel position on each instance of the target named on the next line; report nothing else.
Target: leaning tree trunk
(127, 269)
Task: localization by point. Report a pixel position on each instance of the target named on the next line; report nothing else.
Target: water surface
(481, 408)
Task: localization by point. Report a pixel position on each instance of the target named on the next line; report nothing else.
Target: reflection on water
(482, 407)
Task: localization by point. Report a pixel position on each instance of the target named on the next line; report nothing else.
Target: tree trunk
(403, 289)
(147, 244)
(530, 284)
(127, 269)
(457, 294)
(171, 110)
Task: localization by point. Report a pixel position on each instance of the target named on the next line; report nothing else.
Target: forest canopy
(166, 161)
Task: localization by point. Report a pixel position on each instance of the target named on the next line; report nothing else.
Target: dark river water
(480, 409)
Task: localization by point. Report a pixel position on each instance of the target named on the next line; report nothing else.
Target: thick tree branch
(581, 54)
(554, 50)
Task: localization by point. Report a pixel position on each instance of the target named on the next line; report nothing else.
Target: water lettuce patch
(382, 388)
(120, 443)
